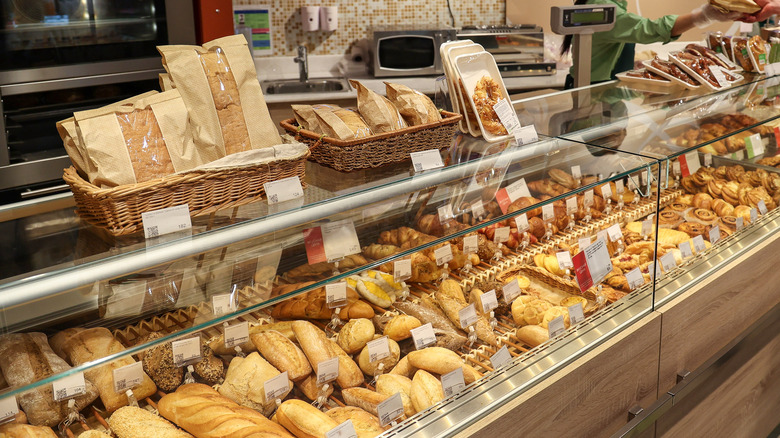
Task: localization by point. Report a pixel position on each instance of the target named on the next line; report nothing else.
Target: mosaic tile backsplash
(356, 17)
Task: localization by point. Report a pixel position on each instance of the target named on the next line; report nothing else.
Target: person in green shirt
(612, 46)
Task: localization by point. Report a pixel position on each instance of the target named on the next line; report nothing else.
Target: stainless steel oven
(409, 51)
(61, 56)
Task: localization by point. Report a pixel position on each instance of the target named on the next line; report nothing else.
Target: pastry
(669, 219)
(693, 229)
(486, 95)
(744, 212)
(702, 200)
(685, 200)
(702, 216)
(722, 208)
(728, 224)
(677, 207)
(563, 178)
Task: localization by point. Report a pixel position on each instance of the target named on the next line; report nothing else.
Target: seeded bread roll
(132, 422)
(158, 364)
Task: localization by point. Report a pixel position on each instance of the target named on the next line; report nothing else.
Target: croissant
(311, 305)
(378, 251)
(525, 202)
(318, 270)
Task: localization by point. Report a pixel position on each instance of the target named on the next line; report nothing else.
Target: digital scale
(582, 21)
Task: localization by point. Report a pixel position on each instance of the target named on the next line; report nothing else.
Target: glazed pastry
(692, 228)
(728, 224)
(744, 211)
(730, 192)
(722, 208)
(669, 219)
(685, 200)
(677, 207)
(702, 176)
(702, 200)
(563, 178)
(701, 216)
(715, 187)
(689, 186)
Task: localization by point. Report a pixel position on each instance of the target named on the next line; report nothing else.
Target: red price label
(502, 197)
(315, 245)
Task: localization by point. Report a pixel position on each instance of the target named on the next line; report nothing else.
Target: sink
(310, 86)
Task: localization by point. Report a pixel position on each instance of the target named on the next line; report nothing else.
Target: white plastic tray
(472, 68)
(698, 77)
(670, 77)
(452, 53)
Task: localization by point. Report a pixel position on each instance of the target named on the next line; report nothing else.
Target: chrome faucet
(303, 60)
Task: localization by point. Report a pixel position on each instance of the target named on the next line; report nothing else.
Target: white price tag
(717, 72)
(635, 278)
(753, 215)
(511, 291)
(745, 27)
(517, 189)
(754, 145)
(443, 255)
(378, 349)
(327, 370)
(556, 327)
(166, 220)
(501, 235)
(668, 262)
(708, 160)
(478, 209)
(599, 263)
(738, 155)
(222, 304)
(402, 269)
(698, 244)
(128, 377)
(340, 239)
(236, 334)
(336, 294)
(390, 409)
(471, 244)
(602, 235)
(453, 382)
(619, 188)
(526, 135)
(564, 259)
(186, 351)
(488, 301)
(583, 242)
(740, 222)
(426, 160)
(276, 387)
(685, 249)
(614, 233)
(676, 168)
(507, 115)
(445, 213)
(69, 387)
(576, 172)
(8, 408)
(548, 212)
(762, 207)
(282, 190)
(522, 223)
(576, 314)
(714, 234)
(588, 201)
(689, 163)
(606, 191)
(423, 336)
(468, 315)
(571, 205)
(647, 227)
(501, 358)
(343, 430)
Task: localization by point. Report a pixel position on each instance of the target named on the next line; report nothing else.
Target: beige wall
(528, 11)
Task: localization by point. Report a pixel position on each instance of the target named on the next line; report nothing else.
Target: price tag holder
(592, 264)
(426, 160)
(327, 370)
(614, 233)
(276, 387)
(576, 172)
(714, 234)
(517, 189)
(708, 160)
(762, 207)
(606, 191)
(501, 235)
(668, 262)
(588, 201)
(501, 358)
(478, 209)
(340, 239)
(378, 349)
(8, 408)
(754, 145)
(576, 314)
(69, 387)
(236, 334)
(753, 215)
(488, 301)
(443, 255)
(223, 304)
(522, 223)
(717, 72)
(556, 327)
(511, 291)
(390, 409)
(507, 115)
(468, 316)
(128, 377)
(445, 213)
(685, 250)
(402, 270)
(343, 430)
(635, 278)
(698, 244)
(282, 190)
(166, 220)
(526, 135)
(186, 351)
(564, 259)
(471, 244)
(571, 205)
(548, 212)
(453, 382)
(423, 336)
(336, 294)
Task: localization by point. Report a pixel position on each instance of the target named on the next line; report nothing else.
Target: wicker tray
(118, 209)
(376, 150)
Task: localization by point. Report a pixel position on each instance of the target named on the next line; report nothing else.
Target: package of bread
(27, 358)
(203, 412)
(378, 112)
(366, 424)
(133, 143)
(134, 422)
(245, 380)
(304, 420)
(219, 85)
(342, 123)
(282, 353)
(94, 344)
(415, 107)
(304, 115)
(13, 430)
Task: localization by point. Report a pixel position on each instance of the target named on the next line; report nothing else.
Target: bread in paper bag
(415, 107)
(219, 85)
(342, 123)
(380, 115)
(304, 115)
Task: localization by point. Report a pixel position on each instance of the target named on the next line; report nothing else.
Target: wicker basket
(119, 209)
(376, 150)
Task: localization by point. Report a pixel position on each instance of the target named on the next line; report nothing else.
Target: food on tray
(415, 107)
(741, 56)
(378, 112)
(709, 54)
(745, 6)
(342, 123)
(758, 55)
(645, 74)
(487, 93)
(701, 66)
(671, 69)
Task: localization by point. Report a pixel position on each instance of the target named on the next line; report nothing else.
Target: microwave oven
(409, 52)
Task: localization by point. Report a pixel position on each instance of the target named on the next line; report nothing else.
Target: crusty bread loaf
(97, 343)
(363, 398)
(133, 422)
(404, 368)
(358, 309)
(304, 420)
(355, 334)
(380, 366)
(282, 353)
(319, 348)
(532, 335)
(92, 433)
(426, 390)
(201, 411)
(217, 344)
(349, 372)
(59, 339)
(390, 384)
(310, 389)
(366, 424)
(27, 358)
(400, 326)
(439, 360)
(13, 430)
(244, 382)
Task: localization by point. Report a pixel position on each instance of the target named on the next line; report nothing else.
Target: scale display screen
(588, 17)
(581, 19)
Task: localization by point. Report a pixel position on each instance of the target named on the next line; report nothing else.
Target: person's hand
(768, 8)
(706, 14)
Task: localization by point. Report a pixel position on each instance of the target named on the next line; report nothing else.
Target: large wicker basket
(376, 150)
(119, 209)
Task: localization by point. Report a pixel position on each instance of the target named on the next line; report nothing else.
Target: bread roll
(217, 344)
(371, 368)
(355, 334)
(532, 335)
(304, 420)
(363, 398)
(358, 309)
(319, 348)
(349, 372)
(92, 433)
(400, 326)
(133, 422)
(366, 424)
(244, 382)
(282, 353)
(13, 430)
(59, 339)
(310, 389)
(404, 368)
(390, 384)
(441, 361)
(159, 366)
(426, 390)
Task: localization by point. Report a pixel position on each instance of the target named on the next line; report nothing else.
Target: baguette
(425, 391)
(355, 334)
(217, 343)
(244, 382)
(282, 353)
(439, 360)
(304, 420)
(389, 384)
(363, 398)
(366, 424)
(133, 422)
(13, 430)
(319, 348)
(532, 335)
(201, 411)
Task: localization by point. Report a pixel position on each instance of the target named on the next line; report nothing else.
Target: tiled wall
(356, 17)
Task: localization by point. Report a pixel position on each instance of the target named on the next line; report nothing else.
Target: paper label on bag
(576, 314)
(548, 212)
(236, 334)
(592, 264)
(128, 377)
(443, 255)
(501, 358)
(740, 222)
(517, 189)
(8, 408)
(453, 382)
(445, 213)
(282, 190)
(753, 215)
(340, 239)
(468, 315)
(166, 220)
(583, 242)
(689, 163)
(576, 172)
(471, 244)
(501, 235)
(698, 244)
(606, 191)
(717, 72)
(186, 351)
(276, 387)
(478, 209)
(507, 115)
(614, 233)
(754, 145)
(488, 301)
(526, 135)
(522, 223)
(685, 250)
(762, 207)
(668, 262)
(571, 205)
(723, 57)
(402, 269)
(588, 201)
(564, 259)
(635, 278)
(343, 430)
(556, 327)
(327, 370)
(714, 234)
(511, 291)
(223, 304)
(426, 160)
(390, 409)
(336, 294)
(423, 336)
(69, 387)
(378, 349)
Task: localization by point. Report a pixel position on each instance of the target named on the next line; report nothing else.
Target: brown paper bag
(415, 107)
(377, 111)
(133, 143)
(304, 115)
(219, 85)
(165, 82)
(342, 124)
